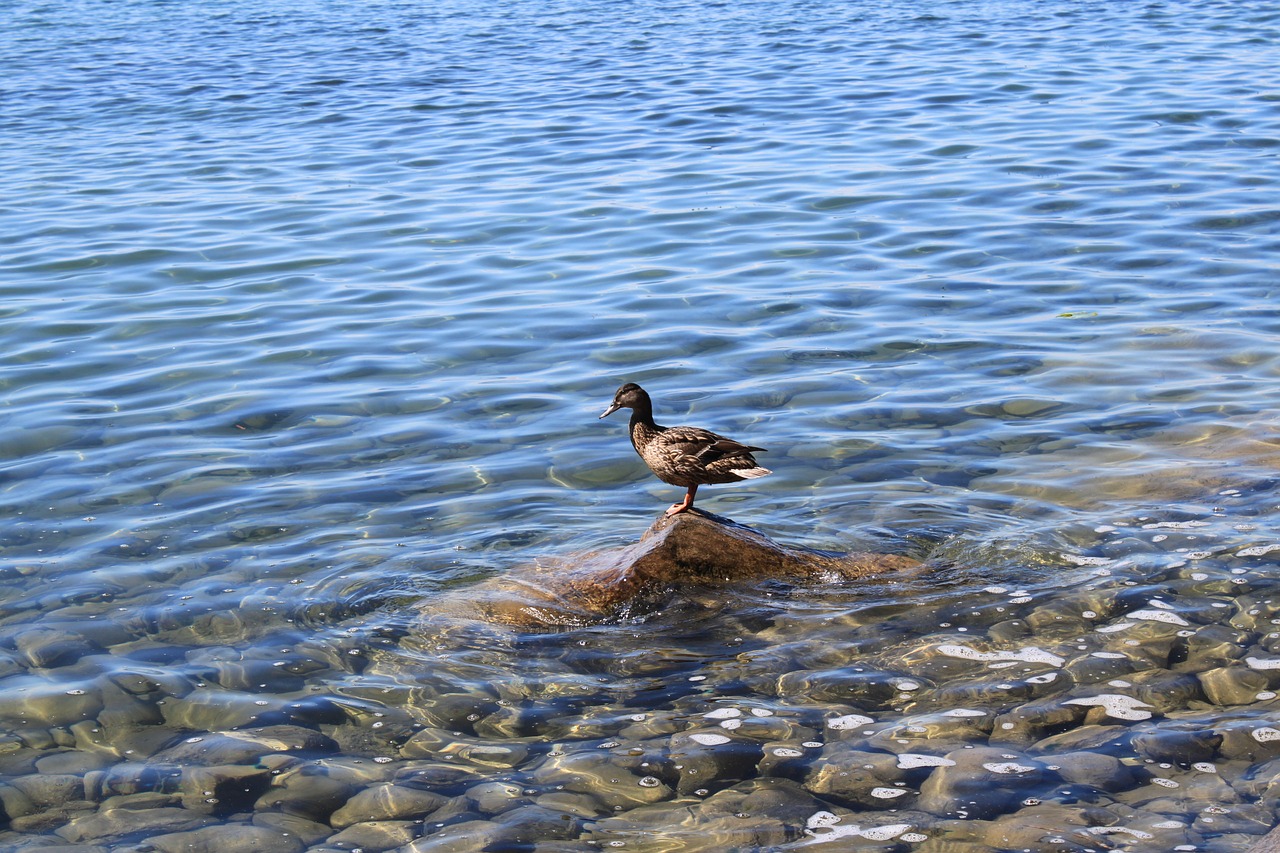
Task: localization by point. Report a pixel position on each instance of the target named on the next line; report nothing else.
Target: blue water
(309, 309)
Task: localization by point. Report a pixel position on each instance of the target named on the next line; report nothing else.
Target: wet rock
(1165, 690)
(1249, 818)
(374, 837)
(223, 790)
(713, 757)
(110, 825)
(1041, 827)
(1035, 721)
(1253, 741)
(845, 684)
(308, 792)
(437, 743)
(758, 814)
(1177, 747)
(247, 746)
(45, 648)
(1108, 738)
(1094, 769)
(228, 838)
(528, 824)
(34, 701)
(212, 709)
(491, 798)
(386, 802)
(609, 779)
(857, 778)
(462, 837)
(692, 548)
(982, 783)
(1232, 685)
(307, 831)
(130, 777)
(455, 712)
(49, 789)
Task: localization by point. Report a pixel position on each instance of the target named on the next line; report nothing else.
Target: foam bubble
(964, 712)
(1007, 767)
(887, 793)
(1257, 550)
(708, 739)
(1265, 734)
(1031, 654)
(1116, 705)
(912, 760)
(848, 721)
(1262, 663)
(723, 714)
(1159, 616)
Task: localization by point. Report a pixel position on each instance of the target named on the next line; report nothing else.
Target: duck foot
(683, 505)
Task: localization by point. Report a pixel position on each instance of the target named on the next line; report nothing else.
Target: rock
(374, 837)
(1177, 747)
(309, 792)
(692, 548)
(307, 831)
(437, 743)
(386, 803)
(711, 758)
(110, 825)
(246, 746)
(982, 783)
(223, 790)
(52, 647)
(608, 778)
(465, 837)
(1095, 770)
(1232, 685)
(228, 838)
(860, 779)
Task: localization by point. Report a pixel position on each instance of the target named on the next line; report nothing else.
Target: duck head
(629, 396)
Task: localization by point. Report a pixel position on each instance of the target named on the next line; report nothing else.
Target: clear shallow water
(309, 313)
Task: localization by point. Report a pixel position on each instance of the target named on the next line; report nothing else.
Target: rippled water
(309, 310)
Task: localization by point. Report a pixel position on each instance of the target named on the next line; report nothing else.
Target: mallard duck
(683, 455)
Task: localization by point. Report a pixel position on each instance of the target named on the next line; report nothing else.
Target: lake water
(309, 310)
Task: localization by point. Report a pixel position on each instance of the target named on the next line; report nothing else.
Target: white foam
(1116, 705)
(1158, 616)
(723, 714)
(1263, 663)
(965, 712)
(911, 760)
(826, 820)
(1086, 561)
(1257, 550)
(1007, 767)
(1119, 626)
(848, 721)
(1265, 734)
(1031, 654)
(887, 793)
(707, 739)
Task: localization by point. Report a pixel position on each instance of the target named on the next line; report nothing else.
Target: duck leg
(685, 504)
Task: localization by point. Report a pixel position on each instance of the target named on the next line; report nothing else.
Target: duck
(684, 455)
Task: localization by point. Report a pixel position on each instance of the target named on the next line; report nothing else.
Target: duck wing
(704, 445)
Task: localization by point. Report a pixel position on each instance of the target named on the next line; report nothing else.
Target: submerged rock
(690, 549)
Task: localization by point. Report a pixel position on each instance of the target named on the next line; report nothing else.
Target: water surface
(309, 310)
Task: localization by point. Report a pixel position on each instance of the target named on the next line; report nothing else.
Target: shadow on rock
(693, 548)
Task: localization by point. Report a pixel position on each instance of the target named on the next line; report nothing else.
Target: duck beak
(611, 410)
